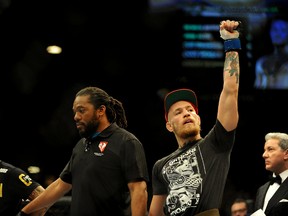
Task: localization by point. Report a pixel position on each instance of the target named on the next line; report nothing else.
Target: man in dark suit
(272, 197)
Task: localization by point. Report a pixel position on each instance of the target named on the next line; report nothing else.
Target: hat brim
(180, 95)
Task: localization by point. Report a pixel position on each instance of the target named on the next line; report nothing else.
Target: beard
(90, 128)
(189, 132)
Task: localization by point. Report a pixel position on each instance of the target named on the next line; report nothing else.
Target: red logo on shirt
(102, 145)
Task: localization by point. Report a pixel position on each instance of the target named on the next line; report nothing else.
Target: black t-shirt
(100, 169)
(194, 177)
(15, 188)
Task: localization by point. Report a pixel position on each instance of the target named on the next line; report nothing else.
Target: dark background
(134, 55)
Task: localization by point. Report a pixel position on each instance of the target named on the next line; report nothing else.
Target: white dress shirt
(273, 188)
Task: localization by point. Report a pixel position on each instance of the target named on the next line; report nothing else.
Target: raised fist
(228, 29)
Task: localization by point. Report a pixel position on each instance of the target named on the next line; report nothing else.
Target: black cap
(180, 95)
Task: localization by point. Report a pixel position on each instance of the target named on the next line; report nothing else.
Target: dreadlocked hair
(114, 108)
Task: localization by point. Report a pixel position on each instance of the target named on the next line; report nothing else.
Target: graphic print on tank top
(183, 175)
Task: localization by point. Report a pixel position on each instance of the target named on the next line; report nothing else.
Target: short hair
(282, 137)
(240, 200)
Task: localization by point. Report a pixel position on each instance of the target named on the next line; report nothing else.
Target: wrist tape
(232, 45)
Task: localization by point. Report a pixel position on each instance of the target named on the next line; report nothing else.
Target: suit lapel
(259, 202)
(281, 193)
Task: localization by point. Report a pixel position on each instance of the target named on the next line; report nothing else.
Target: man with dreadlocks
(107, 171)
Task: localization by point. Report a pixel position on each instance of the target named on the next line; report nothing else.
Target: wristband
(22, 214)
(232, 45)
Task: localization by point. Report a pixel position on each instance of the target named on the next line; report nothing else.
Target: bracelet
(232, 45)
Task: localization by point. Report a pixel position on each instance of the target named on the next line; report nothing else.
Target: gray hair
(282, 137)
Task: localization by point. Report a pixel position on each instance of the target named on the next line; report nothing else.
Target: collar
(283, 175)
(109, 130)
(105, 133)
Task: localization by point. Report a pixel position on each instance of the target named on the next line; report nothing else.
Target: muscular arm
(139, 198)
(156, 207)
(53, 192)
(228, 102)
(35, 193)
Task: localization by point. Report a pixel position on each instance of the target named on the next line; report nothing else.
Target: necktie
(276, 179)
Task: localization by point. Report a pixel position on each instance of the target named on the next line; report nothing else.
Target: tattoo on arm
(232, 60)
